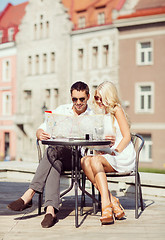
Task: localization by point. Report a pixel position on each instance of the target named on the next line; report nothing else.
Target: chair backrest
(138, 143)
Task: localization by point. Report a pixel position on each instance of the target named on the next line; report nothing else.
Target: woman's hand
(111, 138)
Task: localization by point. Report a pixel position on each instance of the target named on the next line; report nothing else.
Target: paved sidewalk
(26, 225)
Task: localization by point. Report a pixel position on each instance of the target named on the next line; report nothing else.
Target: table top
(76, 142)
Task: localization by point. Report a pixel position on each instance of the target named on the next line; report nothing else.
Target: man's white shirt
(67, 110)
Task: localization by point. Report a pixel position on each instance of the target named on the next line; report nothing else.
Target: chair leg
(99, 198)
(94, 203)
(83, 194)
(40, 200)
(140, 193)
(136, 196)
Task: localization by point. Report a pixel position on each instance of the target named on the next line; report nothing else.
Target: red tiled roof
(83, 5)
(144, 12)
(145, 4)
(12, 15)
(105, 2)
(120, 4)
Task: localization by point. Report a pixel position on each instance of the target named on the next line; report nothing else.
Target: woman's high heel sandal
(118, 210)
(107, 215)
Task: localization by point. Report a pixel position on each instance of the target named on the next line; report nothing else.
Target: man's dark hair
(80, 86)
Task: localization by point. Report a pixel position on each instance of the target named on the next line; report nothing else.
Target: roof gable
(12, 15)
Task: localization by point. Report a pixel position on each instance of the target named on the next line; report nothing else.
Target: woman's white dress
(124, 161)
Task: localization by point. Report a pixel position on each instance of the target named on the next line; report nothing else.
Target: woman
(121, 157)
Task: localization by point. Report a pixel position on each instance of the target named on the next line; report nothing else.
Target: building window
(144, 53)
(146, 152)
(101, 18)
(81, 22)
(37, 64)
(144, 97)
(105, 55)
(94, 57)
(29, 65)
(7, 146)
(51, 98)
(41, 30)
(52, 62)
(28, 101)
(6, 71)
(10, 34)
(44, 63)
(80, 59)
(6, 103)
(1, 36)
(35, 31)
(47, 98)
(47, 29)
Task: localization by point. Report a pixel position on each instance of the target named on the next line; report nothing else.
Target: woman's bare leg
(86, 166)
(99, 166)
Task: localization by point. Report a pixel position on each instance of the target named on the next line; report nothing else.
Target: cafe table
(76, 144)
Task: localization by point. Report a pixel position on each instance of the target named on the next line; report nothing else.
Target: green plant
(152, 170)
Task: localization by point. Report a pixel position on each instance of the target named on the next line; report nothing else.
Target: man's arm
(42, 135)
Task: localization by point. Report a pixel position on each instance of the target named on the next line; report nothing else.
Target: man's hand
(112, 138)
(41, 135)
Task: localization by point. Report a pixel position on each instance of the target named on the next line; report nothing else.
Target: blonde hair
(110, 98)
(109, 95)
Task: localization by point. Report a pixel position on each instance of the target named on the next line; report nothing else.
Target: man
(48, 172)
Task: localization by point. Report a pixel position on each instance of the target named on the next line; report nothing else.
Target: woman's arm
(124, 128)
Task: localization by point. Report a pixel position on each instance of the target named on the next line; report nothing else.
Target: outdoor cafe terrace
(15, 178)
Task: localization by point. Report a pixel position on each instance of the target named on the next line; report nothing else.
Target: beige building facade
(43, 73)
(141, 81)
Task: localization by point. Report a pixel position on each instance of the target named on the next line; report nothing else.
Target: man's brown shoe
(19, 205)
(48, 221)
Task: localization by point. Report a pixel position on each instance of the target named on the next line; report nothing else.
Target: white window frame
(4, 70)
(28, 101)
(37, 64)
(81, 22)
(101, 18)
(52, 62)
(80, 59)
(145, 153)
(105, 55)
(6, 112)
(35, 31)
(11, 34)
(29, 64)
(145, 51)
(95, 57)
(139, 94)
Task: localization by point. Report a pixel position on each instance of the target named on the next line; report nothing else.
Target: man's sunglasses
(74, 99)
(97, 98)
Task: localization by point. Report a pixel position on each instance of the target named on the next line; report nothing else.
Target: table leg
(72, 177)
(76, 185)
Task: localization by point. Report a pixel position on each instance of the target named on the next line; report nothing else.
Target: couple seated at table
(121, 158)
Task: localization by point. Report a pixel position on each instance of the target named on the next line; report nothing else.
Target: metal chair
(40, 196)
(138, 143)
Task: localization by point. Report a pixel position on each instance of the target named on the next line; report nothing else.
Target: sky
(3, 3)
